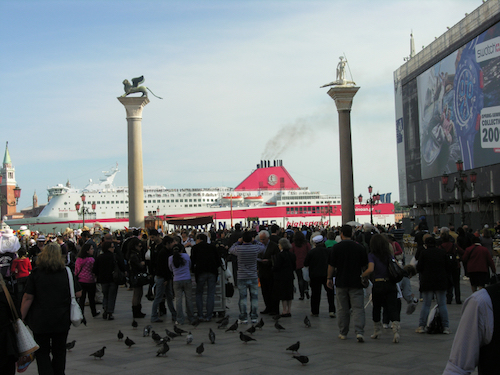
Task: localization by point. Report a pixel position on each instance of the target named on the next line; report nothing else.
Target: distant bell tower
(8, 184)
(35, 203)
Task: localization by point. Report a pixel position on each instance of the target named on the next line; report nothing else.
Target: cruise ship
(269, 195)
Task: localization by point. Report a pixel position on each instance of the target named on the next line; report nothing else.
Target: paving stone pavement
(415, 354)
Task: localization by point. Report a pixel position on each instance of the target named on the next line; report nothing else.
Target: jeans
(180, 287)
(348, 298)
(202, 279)
(54, 343)
(160, 291)
(109, 292)
(243, 286)
(426, 306)
(316, 283)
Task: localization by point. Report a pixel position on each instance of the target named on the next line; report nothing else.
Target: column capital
(134, 105)
(343, 96)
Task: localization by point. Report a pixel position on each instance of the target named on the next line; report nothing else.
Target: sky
(240, 82)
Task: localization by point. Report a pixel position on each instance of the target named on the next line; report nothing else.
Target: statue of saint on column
(341, 81)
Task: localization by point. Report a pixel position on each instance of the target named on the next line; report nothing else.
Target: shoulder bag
(395, 272)
(25, 342)
(76, 315)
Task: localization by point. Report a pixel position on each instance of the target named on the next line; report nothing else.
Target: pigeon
(156, 337)
(233, 328)
(251, 330)
(295, 347)
(224, 319)
(307, 322)
(129, 342)
(246, 338)
(147, 330)
(120, 335)
(200, 349)
(277, 317)
(278, 326)
(99, 353)
(301, 358)
(70, 345)
(223, 324)
(171, 334)
(134, 324)
(163, 350)
(260, 324)
(195, 323)
(179, 331)
(189, 338)
(164, 339)
(211, 336)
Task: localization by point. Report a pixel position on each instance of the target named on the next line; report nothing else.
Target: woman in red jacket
(21, 268)
(479, 261)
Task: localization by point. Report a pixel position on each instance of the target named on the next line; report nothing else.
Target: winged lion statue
(135, 88)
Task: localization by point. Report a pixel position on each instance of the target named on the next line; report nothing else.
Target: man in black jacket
(163, 278)
(205, 261)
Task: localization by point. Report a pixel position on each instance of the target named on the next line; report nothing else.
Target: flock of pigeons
(162, 342)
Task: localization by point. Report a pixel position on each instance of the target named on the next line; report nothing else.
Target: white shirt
(474, 331)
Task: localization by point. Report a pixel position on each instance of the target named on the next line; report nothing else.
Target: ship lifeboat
(271, 203)
(257, 199)
(234, 198)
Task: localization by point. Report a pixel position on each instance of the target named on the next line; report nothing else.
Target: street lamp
(4, 199)
(460, 184)
(85, 210)
(329, 213)
(372, 201)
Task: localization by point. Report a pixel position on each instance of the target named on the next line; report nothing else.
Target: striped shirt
(247, 254)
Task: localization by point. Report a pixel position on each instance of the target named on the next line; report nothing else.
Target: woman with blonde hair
(46, 308)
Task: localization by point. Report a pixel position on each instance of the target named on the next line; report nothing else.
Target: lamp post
(85, 210)
(460, 184)
(329, 213)
(5, 200)
(372, 201)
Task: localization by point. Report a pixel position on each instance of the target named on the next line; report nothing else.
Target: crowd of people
(346, 262)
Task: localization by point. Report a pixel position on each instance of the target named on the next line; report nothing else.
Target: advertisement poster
(459, 108)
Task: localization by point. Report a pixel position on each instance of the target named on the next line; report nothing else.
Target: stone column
(343, 96)
(134, 106)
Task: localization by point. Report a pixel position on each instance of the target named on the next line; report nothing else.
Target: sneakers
(254, 321)
(342, 337)
(242, 321)
(96, 313)
(360, 338)
(446, 330)
(386, 326)
(332, 315)
(420, 329)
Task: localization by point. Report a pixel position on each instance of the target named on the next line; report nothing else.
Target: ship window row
(104, 202)
(308, 210)
(176, 200)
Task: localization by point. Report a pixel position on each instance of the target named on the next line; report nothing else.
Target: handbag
(395, 272)
(229, 290)
(118, 276)
(26, 344)
(140, 279)
(76, 315)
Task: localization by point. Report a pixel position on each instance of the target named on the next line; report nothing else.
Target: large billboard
(451, 111)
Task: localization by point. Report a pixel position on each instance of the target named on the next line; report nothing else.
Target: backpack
(434, 321)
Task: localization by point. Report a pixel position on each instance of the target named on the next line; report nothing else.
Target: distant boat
(268, 195)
